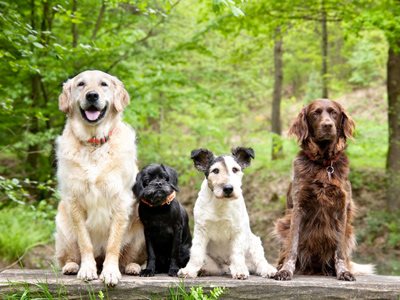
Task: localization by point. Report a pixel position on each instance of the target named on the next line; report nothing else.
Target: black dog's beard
(156, 196)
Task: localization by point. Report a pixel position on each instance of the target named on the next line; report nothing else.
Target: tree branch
(103, 8)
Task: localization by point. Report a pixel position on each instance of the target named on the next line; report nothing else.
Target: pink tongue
(92, 115)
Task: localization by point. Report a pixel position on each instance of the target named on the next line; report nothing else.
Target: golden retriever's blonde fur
(97, 218)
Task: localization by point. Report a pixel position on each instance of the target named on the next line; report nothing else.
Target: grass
(21, 230)
(178, 292)
(35, 290)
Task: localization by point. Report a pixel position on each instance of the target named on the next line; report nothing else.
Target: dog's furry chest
(320, 197)
(222, 220)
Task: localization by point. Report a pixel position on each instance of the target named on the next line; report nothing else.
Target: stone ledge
(134, 287)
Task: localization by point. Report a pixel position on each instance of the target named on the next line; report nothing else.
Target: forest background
(203, 74)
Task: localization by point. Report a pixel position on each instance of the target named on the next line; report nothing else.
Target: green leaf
(236, 11)
(38, 45)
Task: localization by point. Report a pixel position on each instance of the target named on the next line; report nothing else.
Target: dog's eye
(104, 84)
(234, 170)
(146, 182)
(81, 83)
(215, 171)
(164, 178)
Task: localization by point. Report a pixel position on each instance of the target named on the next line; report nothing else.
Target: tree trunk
(324, 72)
(74, 30)
(393, 156)
(32, 158)
(277, 95)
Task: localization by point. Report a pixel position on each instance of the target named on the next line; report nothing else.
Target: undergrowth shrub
(382, 224)
(22, 228)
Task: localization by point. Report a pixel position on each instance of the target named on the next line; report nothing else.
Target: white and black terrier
(166, 228)
(222, 238)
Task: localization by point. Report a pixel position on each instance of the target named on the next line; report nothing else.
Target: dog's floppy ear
(173, 177)
(243, 156)
(138, 186)
(201, 158)
(64, 100)
(121, 96)
(348, 127)
(299, 127)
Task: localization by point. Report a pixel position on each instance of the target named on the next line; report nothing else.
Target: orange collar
(93, 140)
(170, 198)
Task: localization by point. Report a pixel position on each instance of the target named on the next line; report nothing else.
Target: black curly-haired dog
(166, 228)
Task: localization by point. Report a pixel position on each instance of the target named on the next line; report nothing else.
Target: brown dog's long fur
(316, 234)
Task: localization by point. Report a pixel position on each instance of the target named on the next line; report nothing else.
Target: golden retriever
(97, 221)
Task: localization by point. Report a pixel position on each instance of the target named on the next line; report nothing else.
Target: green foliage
(22, 229)
(178, 292)
(370, 146)
(218, 5)
(367, 58)
(382, 224)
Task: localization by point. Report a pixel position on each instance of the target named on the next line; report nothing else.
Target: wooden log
(135, 287)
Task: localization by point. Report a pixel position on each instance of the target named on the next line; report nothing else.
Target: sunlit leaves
(219, 5)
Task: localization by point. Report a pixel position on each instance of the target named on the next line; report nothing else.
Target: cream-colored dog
(97, 221)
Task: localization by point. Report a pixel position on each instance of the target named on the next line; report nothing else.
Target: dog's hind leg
(133, 253)
(67, 251)
(256, 261)
(212, 268)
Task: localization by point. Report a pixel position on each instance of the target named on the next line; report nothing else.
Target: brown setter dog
(315, 234)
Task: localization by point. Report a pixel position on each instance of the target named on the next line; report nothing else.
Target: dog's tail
(358, 269)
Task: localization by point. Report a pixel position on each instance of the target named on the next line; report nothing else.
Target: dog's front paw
(239, 272)
(70, 268)
(268, 271)
(188, 272)
(173, 271)
(132, 269)
(87, 272)
(147, 272)
(283, 275)
(111, 275)
(241, 276)
(346, 275)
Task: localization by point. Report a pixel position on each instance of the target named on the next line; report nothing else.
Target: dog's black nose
(158, 184)
(228, 189)
(92, 96)
(327, 124)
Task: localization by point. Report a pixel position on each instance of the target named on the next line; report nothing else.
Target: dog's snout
(228, 189)
(92, 96)
(158, 184)
(327, 124)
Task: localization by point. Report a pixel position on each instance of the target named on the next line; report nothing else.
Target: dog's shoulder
(123, 140)
(67, 144)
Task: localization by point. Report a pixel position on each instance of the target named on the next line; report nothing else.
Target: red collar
(170, 198)
(323, 162)
(94, 140)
